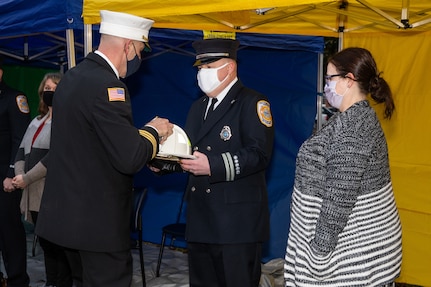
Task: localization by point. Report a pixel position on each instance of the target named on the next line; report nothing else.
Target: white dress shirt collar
(108, 61)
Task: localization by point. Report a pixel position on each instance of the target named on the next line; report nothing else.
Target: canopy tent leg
(70, 41)
(88, 36)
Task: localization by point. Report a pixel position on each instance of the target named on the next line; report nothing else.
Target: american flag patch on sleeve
(116, 95)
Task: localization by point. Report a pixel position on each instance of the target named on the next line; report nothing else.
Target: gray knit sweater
(345, 228)
(30, 163)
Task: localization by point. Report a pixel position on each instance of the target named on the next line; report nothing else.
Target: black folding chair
(174, 230)
(139, 195)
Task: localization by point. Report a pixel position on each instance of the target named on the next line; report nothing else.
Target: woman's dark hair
(361, 64)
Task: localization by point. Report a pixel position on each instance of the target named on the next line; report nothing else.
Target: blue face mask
(133, 66)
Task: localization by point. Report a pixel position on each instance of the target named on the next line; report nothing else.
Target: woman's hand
(18, 181)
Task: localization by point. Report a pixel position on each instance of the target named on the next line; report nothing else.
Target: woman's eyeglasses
(328, 78)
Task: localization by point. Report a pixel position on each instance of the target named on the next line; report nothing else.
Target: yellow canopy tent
(304, 17)
(397, 32)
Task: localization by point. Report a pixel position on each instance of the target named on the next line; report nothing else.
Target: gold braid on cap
(151, 139)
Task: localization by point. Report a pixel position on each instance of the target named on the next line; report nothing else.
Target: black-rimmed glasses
(328, 78)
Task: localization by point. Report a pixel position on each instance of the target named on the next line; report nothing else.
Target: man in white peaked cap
(95, 151)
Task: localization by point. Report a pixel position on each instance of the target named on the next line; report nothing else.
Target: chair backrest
(180, 211)
(138, 198)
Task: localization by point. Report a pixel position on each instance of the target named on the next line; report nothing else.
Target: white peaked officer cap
(125, 25)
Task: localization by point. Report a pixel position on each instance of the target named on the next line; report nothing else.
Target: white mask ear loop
(347, 89)
(221, 67)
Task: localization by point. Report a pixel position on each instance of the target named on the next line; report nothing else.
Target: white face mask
(208, 79)
(331, 95)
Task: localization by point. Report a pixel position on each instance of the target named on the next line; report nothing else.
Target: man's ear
(127, 46)
(231, 66)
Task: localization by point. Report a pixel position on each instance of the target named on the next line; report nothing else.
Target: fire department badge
(22, 103)
(264, 113)
(226, 133)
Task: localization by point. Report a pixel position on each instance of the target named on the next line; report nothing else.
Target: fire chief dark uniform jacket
(231, 205)
(94, 152)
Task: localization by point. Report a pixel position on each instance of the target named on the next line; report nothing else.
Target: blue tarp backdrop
(283, 67)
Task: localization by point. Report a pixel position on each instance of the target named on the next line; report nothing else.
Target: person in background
(345, 228)
(231, 131)
(30, 172)
(14, 119)
(95, 151)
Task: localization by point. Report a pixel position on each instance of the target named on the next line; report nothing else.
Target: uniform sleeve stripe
(229, 166)
(151, 139)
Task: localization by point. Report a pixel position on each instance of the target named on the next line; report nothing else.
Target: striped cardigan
(345, 228)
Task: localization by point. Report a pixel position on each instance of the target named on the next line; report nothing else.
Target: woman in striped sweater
(345, 228)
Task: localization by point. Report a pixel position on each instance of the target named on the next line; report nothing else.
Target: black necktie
(211, 108)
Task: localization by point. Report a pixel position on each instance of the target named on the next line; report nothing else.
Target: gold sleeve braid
(152, 139)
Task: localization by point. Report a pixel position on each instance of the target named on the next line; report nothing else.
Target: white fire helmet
(176, 146)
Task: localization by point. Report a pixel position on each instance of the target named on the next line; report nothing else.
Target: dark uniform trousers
(100, 269)
(229, 265)
(13, 239)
